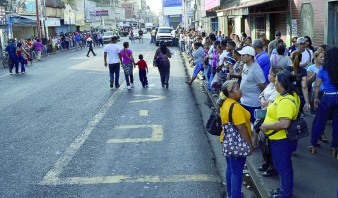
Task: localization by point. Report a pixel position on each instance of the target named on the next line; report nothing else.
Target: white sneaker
(128, 87)
(132, 85)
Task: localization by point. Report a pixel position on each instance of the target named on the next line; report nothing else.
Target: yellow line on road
(127, 179)
(70, 152)
(156, 136)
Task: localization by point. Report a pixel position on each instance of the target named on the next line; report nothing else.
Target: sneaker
(87, 56)
(128, 87)
(23, 72)
(117, 86)
(131, 85)
(111, 84)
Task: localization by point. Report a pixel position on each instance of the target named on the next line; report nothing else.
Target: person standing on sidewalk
(12, 57)
(235, 165)
(127, 61)
(90, 46)
(37, 46)
(327, 75)
(280, 113)
(114, 59)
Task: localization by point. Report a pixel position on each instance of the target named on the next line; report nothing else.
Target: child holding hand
(143, 70)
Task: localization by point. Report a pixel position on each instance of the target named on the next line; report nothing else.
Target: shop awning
(20, 20)
(240, 9)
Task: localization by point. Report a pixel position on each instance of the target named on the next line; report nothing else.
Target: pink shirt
(126, 59)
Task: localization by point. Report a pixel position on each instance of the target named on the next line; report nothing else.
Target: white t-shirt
(252, 77)
(113, 53)
(306, 56)
(222, 57)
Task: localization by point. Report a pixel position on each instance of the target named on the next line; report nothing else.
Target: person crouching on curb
(235, 165)
(143, 70)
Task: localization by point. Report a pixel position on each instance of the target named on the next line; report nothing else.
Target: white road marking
(144, 112)
(150, 98)
(54, 173)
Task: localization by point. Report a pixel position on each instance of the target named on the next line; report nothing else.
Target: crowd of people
(270, 85)
(23, 51)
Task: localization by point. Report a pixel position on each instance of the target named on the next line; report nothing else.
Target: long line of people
(268, 72)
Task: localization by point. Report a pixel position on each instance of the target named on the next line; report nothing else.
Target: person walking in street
(153, 36)
(131, 36)
(173, 38)
(100, 41)
(143, 70)
(12, 57)
(241, 120)
(140, 36)
(327, 75)
(19, 53)
(127, 61)
(37, 46)
(162, 56)
(90, 46)
(78, 42)
(112, 50)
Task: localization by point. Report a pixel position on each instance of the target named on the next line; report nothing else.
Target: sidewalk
(315, 176)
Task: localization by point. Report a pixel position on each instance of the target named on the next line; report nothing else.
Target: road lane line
(150, 98)
(54, 173)
(156, 136)
(127, 179)
(144, 112)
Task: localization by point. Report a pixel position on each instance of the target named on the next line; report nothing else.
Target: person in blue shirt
(328, 76)
(78, 38)
(262, 58)
(13, 59)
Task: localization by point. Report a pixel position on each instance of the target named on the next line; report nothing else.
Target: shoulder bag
(233, 144)
(298, 128)
(214, 124)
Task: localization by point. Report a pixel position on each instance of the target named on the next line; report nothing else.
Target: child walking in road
(143, 70)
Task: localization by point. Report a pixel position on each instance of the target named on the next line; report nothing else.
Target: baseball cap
(277, 33)
(257, 43)
(247, 50)
(301, 40)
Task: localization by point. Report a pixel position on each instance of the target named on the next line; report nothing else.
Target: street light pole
(38, 19)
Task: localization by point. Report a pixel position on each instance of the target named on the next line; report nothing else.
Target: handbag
(233, 144)
(298, 128)
(214, 124)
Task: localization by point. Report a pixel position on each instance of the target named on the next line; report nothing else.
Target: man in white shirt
(306, 53)
(173, 37)
(114, 60)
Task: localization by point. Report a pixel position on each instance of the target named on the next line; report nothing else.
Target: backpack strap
(274, 132)
(230, 112)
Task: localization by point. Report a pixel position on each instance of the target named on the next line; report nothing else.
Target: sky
(155, 5)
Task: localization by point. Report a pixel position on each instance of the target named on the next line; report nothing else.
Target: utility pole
(38, 19)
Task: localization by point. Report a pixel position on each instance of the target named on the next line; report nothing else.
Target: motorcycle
(5, 59)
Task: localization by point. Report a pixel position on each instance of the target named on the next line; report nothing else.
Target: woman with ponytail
(301, 81)
(328, 76)
(278, 118)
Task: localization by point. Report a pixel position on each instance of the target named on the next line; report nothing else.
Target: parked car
(163, 34)
(144, 30)
(106, 37)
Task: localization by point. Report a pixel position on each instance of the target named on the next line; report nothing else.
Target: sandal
(312, 149)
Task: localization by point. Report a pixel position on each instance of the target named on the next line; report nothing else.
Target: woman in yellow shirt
(278, 118)
(241, 119)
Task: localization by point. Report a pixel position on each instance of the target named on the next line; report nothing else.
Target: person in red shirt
(143, 70)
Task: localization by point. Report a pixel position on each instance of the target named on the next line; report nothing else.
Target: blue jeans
(281, 152)
(22, 61)
(114, 71)
(197, 69)
(182, 46)
(252, 112)
(328, 105)
(13, 61)
(233, 175)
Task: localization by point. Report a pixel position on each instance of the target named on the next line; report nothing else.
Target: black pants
(143, 77)
(90, 50)
(164, 73)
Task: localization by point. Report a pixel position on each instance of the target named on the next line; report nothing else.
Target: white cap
(247, 50)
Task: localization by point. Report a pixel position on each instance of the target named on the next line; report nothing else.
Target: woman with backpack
(161, 60)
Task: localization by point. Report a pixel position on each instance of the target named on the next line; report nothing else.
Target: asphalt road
(65, 133)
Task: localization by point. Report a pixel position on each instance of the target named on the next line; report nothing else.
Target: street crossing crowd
(257, 75)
